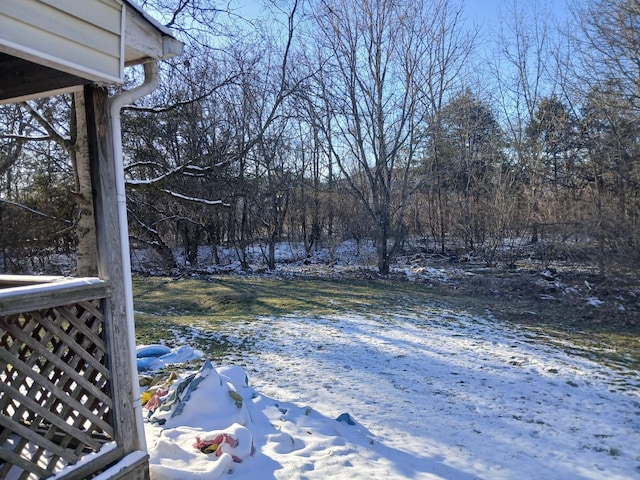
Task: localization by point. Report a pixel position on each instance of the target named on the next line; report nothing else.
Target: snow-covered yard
(431, 394)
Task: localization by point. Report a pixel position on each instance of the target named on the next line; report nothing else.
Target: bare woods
(402, 122)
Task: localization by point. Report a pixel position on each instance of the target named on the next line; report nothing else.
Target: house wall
(80, 37)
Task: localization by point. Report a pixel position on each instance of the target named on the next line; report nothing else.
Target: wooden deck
(56, 381)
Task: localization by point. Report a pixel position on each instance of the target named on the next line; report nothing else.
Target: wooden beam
(87, 470)
(134, 466)
(27, 298)
(110, 264)
(7, 281)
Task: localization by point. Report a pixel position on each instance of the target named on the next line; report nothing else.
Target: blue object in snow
(152, 351)
(346, 418)
(147, 363)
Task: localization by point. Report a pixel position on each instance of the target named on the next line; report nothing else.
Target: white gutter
(115, 105)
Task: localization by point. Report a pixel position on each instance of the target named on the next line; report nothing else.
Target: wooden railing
(56, 390)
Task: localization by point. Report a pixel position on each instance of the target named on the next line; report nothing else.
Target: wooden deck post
(110, 264)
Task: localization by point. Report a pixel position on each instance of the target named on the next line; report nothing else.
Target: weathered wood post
(110, 267)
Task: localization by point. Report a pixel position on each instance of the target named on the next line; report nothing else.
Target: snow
(432, 393)
(291, 259)
(595, 302)
(149, 18)
(116, 470)
(107, 447)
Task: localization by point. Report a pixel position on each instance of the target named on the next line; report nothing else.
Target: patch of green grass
(200, 311)
(247, 298)
(558, 322)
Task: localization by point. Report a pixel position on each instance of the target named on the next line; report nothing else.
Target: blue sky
(484, 11)
(487, 11)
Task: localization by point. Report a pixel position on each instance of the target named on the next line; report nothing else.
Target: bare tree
(470, 148)
(525, 73)
(607, 35)
(196, 139)
(37, 150)
(606, 73)
(63, 123)
(379, 56)
(87, 249)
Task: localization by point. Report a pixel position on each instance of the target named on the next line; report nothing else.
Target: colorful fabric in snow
(175, 401)
(217, 445)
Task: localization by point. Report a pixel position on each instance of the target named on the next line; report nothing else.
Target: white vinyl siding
(82, 37)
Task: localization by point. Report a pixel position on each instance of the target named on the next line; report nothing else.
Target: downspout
(115, 105)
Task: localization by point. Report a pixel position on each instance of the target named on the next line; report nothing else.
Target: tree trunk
(271, 259)
(87, 249)
(382, 249)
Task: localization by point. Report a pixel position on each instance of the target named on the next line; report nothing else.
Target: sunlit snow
(434, 394)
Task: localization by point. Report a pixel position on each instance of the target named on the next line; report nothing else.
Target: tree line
(389, 121)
